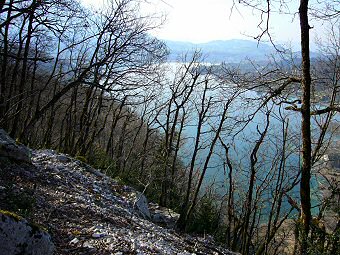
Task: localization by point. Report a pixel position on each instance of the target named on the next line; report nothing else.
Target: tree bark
(305, 127)
(4, 64)
(22, 84)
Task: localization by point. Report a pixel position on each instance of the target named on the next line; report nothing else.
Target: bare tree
(266, 10)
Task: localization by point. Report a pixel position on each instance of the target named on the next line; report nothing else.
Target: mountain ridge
(229, 51)
(217, 51)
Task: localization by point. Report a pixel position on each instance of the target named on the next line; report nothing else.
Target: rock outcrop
(17, 236)
(11, 150)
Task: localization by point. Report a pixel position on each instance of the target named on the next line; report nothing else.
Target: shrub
(205, 219)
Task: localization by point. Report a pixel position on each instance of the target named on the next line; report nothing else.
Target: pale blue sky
(203, 21)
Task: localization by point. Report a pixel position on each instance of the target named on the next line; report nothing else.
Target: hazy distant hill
(230, 51)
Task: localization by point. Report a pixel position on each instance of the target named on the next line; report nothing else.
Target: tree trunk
(246, 235)
(22, 85)
(305, 127)
(4, 61)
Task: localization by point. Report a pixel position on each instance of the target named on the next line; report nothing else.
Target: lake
(242, 140)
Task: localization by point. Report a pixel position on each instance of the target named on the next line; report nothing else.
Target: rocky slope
(86, 212)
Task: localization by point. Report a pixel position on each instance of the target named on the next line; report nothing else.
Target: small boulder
(17, 236)
(11, 150)
(163, 216)
(141, 204)
(63, 158)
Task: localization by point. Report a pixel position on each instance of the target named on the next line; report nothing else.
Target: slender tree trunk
(206, 163)
(181, 222)
(120, 148)
(84, 122)
(167, 151)
(173, 165)
(305, 127)
(252, 181)
(32, 97)
(4, 60)
(116, 116)
(22, 84)
(230, 206)
(47, 141)
(145, 151)
(70, 122)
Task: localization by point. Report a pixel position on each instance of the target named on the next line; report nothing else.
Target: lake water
(242, 140)
(241, 144)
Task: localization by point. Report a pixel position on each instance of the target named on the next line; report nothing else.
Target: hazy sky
(203, 21)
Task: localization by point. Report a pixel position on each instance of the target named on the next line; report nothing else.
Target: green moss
(17, 141)
(34, 226)
(81, 158)
(12, 215)
(119, 180)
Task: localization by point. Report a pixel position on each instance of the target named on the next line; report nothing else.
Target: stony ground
(86, 212)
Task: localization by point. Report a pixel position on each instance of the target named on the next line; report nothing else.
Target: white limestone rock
(17, 236)
(10, 149)
(163, 216)
(141, 204)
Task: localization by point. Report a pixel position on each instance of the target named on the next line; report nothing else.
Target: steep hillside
(88, 213)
